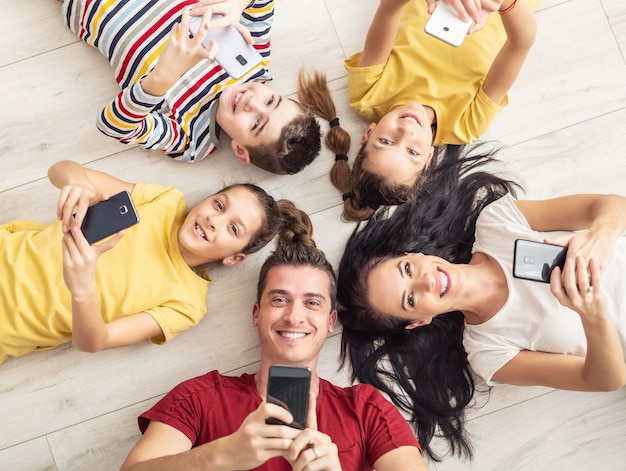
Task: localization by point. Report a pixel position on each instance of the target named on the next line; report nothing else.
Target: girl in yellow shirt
(143, 283)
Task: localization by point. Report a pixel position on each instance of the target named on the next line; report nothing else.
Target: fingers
(311, 418)
(245, 32)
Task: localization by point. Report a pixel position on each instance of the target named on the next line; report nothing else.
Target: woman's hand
(594, 244)
(579, 288)
(231, 11)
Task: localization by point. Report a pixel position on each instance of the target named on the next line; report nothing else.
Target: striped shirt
(131, 34)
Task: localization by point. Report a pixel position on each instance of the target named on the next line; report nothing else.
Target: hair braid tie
(339, 157)
(349, 194)
(334, 122)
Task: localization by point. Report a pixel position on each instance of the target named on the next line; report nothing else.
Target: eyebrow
(284, 292)
(403, 301)
(262, 127)
(237, 220)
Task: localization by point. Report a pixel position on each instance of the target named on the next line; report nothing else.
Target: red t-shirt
(360, 421)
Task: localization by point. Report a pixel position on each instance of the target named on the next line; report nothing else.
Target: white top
(531, 318)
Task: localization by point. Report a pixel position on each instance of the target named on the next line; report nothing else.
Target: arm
(404, 458)
(521, 29)
(382, 32)
(603, 367)
(604, 217)
(89, 331)
(163, 447)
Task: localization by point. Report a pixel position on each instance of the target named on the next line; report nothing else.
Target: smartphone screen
(289, 386)
(536, 260)
(446, 25)
(107, 217)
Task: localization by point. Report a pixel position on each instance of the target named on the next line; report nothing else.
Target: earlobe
(368, 132)
(255, 314)
(418, 323)
(332, 321)
(430, 157)
(234, 259)
(240, 152)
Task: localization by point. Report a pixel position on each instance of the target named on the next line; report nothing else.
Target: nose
(251, 104)
(293, 314)
(424, 282)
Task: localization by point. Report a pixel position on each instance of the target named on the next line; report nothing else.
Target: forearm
(207, 456)
(519, 24)
(382, 32)
(66, 172)
(608, 213)
(89, 331)
(604, 367)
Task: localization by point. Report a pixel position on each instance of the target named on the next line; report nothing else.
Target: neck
(487, 289)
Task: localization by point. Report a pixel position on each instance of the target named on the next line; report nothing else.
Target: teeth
(443, 283)
(237, 98)
(411, 118)
(200, 232)
(293, 335)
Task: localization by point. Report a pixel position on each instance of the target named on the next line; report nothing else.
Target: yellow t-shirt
(426, 70)
(144, 272)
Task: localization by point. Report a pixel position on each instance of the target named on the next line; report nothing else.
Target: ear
(430, 157)
(234, 259)
(255, 314)
(368, 132)
(240, 152)
(418, 323)
(332, 321)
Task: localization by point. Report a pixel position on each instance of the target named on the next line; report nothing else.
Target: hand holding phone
(445, 24)
(289, 387)
(107, 217)
(535, 260)
(234, 54)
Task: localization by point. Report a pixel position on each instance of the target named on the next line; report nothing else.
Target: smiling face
(220, 227)
(294, 315)
(414, 287)
(399, 147)
(252, 114)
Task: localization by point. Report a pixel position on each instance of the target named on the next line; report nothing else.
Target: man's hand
(312, 449)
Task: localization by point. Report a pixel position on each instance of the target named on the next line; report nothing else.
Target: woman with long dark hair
(423, 286)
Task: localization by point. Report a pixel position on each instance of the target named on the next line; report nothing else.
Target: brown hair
(297, 147)
(281, 217)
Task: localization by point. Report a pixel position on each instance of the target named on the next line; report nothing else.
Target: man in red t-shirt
(219, 422)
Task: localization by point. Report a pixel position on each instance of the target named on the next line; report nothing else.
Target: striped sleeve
(178, 123)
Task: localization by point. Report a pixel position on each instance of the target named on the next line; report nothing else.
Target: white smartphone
(535, 260)
(446, 25)
(235, 55)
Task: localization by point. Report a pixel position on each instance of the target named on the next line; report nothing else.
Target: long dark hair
(423, 370)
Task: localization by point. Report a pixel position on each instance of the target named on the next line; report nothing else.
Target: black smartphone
(107, 217)
(536, 260)
(289, 386)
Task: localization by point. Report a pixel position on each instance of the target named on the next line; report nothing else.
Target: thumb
(311, 418)
(563, 240)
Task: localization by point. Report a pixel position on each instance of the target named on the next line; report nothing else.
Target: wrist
(507, 6)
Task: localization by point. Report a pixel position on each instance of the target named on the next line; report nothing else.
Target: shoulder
(360, 395)
(144, 192)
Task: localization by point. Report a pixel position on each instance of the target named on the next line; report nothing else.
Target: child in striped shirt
(176, 98)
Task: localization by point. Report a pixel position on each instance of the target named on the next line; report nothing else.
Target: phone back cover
(446, 25)
(108, 217)
(234, 54)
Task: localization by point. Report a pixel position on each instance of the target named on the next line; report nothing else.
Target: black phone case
(107, 217)
(535, 260)
(288, 387)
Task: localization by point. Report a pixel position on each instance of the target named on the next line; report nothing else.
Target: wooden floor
(564, 132)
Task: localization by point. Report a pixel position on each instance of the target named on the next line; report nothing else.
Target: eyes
(410, 299)
(388, 142)
(232, 227)
(257, 122)
(283, 301)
